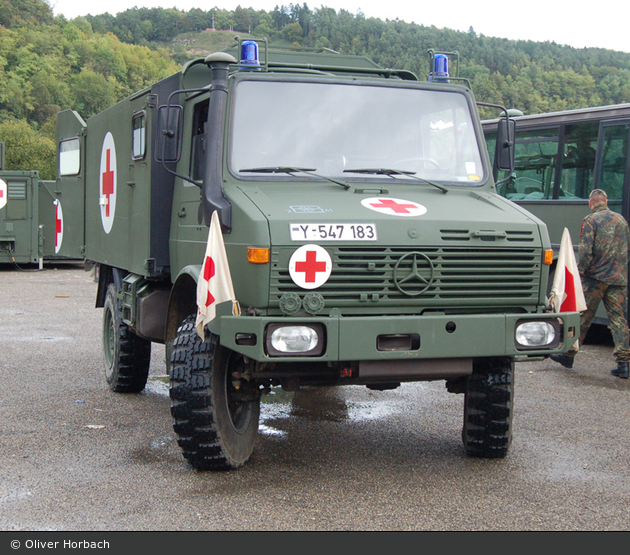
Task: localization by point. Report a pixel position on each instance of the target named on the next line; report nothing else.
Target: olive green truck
(364, 242)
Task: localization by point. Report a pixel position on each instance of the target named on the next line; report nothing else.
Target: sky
(576, 24)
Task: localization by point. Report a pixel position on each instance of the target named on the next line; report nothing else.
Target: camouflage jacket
(604, 246)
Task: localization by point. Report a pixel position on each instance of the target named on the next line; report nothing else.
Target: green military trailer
(361, 242)
(39, 220)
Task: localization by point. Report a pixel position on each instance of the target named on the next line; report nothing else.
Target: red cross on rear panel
(58, 227)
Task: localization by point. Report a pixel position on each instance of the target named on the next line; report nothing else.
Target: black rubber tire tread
(201, 416)
(127, 357)
(488, 408)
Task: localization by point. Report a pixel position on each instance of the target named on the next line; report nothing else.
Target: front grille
(511, 236)
(463, 277)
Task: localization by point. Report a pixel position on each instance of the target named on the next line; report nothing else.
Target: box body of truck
(365, 243)
(36, 224)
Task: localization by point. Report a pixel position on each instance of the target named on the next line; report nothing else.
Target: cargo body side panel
(128, 196)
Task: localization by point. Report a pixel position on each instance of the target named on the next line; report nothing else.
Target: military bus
(560, 157)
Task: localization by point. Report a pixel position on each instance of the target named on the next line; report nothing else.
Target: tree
(92, 93)
(293, 33)
(16, 13)
(242, 20)
(26, 149)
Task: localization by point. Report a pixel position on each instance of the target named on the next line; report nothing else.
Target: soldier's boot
(565, 360)
(621, 371)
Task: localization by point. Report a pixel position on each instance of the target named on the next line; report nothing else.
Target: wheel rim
(109, 341)
(239, 411)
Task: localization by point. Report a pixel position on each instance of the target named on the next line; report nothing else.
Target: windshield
(333, 129)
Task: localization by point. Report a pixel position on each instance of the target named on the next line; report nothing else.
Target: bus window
(535, 158)
(578, 160)
(614, 147)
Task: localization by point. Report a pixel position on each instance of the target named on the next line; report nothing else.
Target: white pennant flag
(566, 293)
(215, 281)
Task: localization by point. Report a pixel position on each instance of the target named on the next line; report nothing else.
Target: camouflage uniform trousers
(615, 301)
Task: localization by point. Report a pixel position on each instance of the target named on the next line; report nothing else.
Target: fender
(107, 275)
(182, 301)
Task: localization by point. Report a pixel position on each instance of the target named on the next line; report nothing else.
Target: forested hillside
(48, 63)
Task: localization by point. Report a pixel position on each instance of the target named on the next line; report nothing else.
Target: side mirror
(169, 134)
(504, 154)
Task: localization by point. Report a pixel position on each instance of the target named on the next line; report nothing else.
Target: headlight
(295, 340)
(535, 334)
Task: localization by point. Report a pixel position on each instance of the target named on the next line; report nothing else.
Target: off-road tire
(215, 429)
(127, 356)
(488, 408)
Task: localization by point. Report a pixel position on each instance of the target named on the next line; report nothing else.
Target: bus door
(613, 173)
(613, 164)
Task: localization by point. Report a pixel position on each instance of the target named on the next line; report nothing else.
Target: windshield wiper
(290, 170)
(392, 173)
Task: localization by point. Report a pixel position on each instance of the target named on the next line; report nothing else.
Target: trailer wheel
(214, 417)
(127, 356)
(488, 408)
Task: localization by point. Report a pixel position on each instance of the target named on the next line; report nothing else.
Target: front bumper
(361, 338)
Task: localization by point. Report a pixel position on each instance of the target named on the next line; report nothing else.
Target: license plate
(333, 232)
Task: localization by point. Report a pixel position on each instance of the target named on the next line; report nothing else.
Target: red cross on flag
(394, 206)
(310, 266)
(3, 193)
(58, 225)
(566, 293)
(215, 281)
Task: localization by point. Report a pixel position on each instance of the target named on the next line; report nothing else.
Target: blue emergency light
(440, 68)
(249, 54)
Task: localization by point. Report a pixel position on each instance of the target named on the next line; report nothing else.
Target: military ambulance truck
(33, 228)
(365, 242)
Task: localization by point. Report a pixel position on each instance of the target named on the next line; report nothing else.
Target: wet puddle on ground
(332, 404)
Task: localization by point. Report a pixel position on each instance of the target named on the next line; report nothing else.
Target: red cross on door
(310, 266)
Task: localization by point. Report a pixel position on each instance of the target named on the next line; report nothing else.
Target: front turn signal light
(257, 255)
(548, 257)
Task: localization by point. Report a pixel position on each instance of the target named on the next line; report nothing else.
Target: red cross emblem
(107, 182)
(394, 206)
(310, 266)
(3, 193)
(58, 225)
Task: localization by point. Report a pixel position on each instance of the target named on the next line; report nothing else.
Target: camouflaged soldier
(603, 266)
